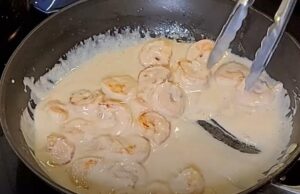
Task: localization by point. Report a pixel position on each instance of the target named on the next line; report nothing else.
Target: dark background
(17, 18)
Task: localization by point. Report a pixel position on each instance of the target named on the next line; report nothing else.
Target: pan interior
(121, 39)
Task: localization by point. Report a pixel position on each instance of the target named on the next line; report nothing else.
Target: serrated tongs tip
(268, 44)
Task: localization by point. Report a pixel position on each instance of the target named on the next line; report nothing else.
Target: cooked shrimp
(126, 175)
(200, 51)
(148, 80)
(99, 97)
(157, 52)
(87, 171)
(82, 170)
(61, 151)
(77, 123)
(192, 76)
(86, 102)
(133, 148)
(153, 75)
(57, 110)
(82, 97)
(261, 94)
(154, 127)
(75, 128)
(119, 87)
(188, 181)
(158, 187)
(138, 106)
(145, 95)
(231, 74)
(169, 100)
(113, 114)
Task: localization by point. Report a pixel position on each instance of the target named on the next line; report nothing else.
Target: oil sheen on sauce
(257, 120)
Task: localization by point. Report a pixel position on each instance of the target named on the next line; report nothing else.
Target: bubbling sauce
(125, 122)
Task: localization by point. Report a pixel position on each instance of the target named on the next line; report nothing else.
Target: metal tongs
(268, 44)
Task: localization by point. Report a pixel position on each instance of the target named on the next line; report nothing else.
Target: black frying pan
(49, 41)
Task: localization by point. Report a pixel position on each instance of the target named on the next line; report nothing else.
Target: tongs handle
(270, 41)
(229, 30)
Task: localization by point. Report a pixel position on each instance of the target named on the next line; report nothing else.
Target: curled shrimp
(169, 99)
(133, 148)
(138, 106)
(76, 123)
(154, 127)
(82, 170)
(75, 129)
(57, 110)
(113, 114)
(82, 97)
(61, 151)
(231, 74)
(200, 51)
(191, 75)
(119, 87)
(126, 175)
(262, 93)
(153, 75)
(157, 52)
(149, 78)
(188, 181)
(87, 171)
(99, 97)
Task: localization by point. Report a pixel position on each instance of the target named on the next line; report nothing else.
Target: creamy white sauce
(224, 169)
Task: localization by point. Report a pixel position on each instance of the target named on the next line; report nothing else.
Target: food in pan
(125, 121)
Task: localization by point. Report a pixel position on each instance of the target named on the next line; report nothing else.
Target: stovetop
(15, 177)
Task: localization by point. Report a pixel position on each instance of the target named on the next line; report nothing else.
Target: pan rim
(58, 187)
